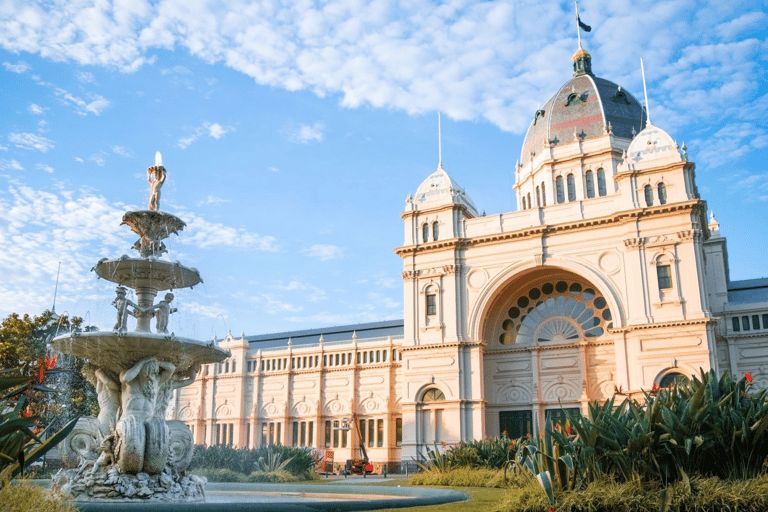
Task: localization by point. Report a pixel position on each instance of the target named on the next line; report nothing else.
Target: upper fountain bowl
(157, 275)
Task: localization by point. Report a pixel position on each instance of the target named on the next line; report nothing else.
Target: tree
(24, 348)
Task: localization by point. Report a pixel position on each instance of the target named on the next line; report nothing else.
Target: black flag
(583, 25)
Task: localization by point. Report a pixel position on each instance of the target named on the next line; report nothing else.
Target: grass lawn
(481, 498)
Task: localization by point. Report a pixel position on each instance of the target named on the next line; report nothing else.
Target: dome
(652, 144)
(439, 189)
(583, 107)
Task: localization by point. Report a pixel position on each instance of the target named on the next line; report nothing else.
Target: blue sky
(293, 132)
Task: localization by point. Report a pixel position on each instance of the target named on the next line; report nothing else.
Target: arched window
(601, 190)
(559, 189)
(571, 188)
(530, 205)
(590, 183)
(433, 395)
(662, 189)
(672, 379)
(648, 195)
(523, 202)
(538, 196)
(435, 231)
(425, 232)
(543, 195)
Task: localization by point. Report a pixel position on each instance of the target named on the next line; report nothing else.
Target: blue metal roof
(394, 328)
(748, 291)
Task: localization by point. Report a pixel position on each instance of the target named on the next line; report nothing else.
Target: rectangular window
(344, 434)
(745, 323)
(218, 434)
(736, 326)
(558, 417)
(247, 435)
(234, 366)
(271, 433)
(264, 434)
(431, 304)
(295, 433)
(303, 433)
(755, 322)
(664, 274)
(328, 434)
(379, 433)
(279, 437)
(515, 423)
(336, 434)
(398, 431)
(310, 432)
(371, 433)
(231, 434)
(362, 431)
(765, 321)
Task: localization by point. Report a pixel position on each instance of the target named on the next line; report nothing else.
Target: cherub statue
(163, 310)
(121, 303)
(156, 178)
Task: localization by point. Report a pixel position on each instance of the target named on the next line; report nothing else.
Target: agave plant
(20, 443)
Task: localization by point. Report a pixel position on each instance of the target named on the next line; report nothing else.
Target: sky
(292, 133)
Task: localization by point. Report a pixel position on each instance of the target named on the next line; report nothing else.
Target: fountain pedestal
(130, 451)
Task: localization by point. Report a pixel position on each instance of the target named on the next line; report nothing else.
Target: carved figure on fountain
(122, 304)
(162, 311)
(156, 177)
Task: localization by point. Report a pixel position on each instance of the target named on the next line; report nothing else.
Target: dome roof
(584, 106)
(439, 189)
(652, 144)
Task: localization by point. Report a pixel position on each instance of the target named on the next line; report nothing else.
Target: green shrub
(604, 495)
(297, 461)
(21, 496)
(278, 476)
(469, 477)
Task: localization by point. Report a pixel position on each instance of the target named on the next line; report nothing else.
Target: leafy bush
(296, 461)
(604, 495)
(21, 496)
(278, 476)
(220, 475)
(466, 477)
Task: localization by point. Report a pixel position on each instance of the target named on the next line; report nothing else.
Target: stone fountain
(130, 451)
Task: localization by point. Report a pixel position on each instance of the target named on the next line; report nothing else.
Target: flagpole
(578, 30)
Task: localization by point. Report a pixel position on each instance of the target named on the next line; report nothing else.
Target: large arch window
(430, 414)
(556, 312)
(601, 188)
(433, 395)
(571, 188)
(559, 189)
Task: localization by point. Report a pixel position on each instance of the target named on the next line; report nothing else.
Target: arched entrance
(547, 349)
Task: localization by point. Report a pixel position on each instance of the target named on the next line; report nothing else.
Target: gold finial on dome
(580, 53)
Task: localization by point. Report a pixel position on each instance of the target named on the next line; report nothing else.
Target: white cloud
(214, 130)
(217, 131)
(10, 165)
(273, 305)
(85, 77)
(31, 141)
(98, 159)
(210, 235)
(211, 199)
(44, 167)
(95, 104)
(19, 67)
(307, 133)
(120, 150)
(3, 148)
(324, 252)
(79, 160)
(36, 109)
(273, 169)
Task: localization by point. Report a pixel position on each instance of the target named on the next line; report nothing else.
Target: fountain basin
(121, 351)
(157, 275)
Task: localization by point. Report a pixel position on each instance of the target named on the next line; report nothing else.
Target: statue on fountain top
(156, 177)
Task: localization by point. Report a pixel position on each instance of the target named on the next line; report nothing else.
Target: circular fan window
(558, 312)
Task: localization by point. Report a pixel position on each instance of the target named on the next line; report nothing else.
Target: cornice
(437, 209)
(538, 347)
(618, 218)
(432, 346)
(662, 325)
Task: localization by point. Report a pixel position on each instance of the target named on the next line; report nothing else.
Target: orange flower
(50, 362)
(528, 435)
(568, 429)
(748, 376)
(655, 388)
(27, 413)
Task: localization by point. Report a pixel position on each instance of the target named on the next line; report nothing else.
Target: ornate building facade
(608, 277)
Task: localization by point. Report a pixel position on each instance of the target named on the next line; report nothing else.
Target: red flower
(50, 362)
(27, 413)
(568, 429)
(444, 445)
(655, 388)
(528, 435)
(748, 376)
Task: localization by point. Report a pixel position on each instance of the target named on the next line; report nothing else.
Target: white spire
(439, 141)
(645, 91)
